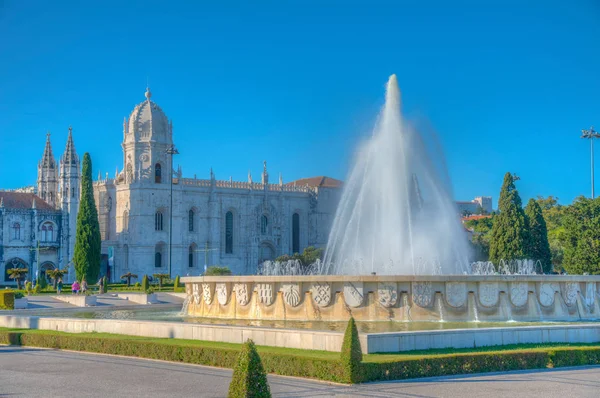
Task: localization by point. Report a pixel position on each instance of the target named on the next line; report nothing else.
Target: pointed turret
(265, 174)
(48, 175)
(70, 155)
(249, 177)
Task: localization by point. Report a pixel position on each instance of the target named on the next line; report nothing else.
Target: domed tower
(147, 135)
(47, 182)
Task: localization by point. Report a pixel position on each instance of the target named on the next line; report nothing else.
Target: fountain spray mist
(396, 214)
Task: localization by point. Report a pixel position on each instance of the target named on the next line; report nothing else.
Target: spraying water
(396, 214)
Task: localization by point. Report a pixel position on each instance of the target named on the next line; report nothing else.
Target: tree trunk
(128, 281)
(18, 283)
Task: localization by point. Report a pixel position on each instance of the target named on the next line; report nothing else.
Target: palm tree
(56, 274)
(128, 276)
(17, 274)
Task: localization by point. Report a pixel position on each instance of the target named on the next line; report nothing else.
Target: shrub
(215, 270)
(176, 283)
(145, 286)
(7, 299)
(18, 294)
(351, 355)
(37, 289)
(28, 288)
(42, 282)
(105, 283)
(249, 377)
(138, 285)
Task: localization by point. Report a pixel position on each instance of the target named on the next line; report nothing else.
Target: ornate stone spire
(33, 205)
(1, 202)
(70, 155)
(48, 157)
(249, 177)
(212, 175)
(265, 174)
(280, 179)
(148, 94)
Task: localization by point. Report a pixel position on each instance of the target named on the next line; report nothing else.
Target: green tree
(510, 232)
(17, 274)
(176, 283)
(216, 270)
(145, 285)
(582, 237)
(249, 377)
(482, 235)
(56, 274)
(554, 215)
(539, 248)
(161, 278)
(351, 354)
(86, 255)
(128, 277)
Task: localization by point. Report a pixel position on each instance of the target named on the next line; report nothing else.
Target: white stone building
(215, 222)
(38, 232)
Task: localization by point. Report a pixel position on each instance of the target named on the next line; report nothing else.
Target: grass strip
(322, 365)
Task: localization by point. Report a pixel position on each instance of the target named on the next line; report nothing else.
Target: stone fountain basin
(457, 298)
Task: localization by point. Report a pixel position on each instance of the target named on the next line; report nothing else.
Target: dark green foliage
(249, 377)
(582, 237)
(176, 284)
(539, 248)
(482, 235)
(310, 366)
(42, 282)
(128, 277)
(160, 278)
(56, 274)
(7, 300)
(86, 255)
(215, 270)
(510, 232)
(351, 355)
(105, 284)
(309, 256)
(145, 284)
(17, 274)
(554, 215)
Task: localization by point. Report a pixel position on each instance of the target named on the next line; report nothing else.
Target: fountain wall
(489, 298)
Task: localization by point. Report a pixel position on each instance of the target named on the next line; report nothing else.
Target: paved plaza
(30, 372)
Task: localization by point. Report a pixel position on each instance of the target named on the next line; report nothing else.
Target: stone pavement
(108, 299)
(29, 372)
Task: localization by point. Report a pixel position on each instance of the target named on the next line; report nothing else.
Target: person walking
(75, 287)
(84, 286)
(59, 286)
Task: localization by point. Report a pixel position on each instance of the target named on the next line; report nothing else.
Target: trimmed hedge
(351, 355)
(7, 300)
(307, 366)
(249, 377)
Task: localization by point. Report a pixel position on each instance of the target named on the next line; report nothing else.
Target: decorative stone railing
(401, 298)
(241, 185)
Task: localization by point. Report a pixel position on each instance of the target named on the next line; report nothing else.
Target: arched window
(73, 192)
(125, 221)
(47, 232)
(191, 256)
(296, 233)
(157, 173)
(16, 231)
(229, 232)
(157, 259)
(264, 223)
(191, 220)
(158, 221)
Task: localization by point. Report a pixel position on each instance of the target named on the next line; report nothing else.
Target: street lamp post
(171, 151)
(591, 134)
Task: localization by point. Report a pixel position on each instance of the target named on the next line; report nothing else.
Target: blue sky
(506, 86)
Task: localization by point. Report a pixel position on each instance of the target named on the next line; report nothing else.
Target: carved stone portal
(321, 293)
(265, 293)
(353, 293)
(422, 294)
(387, 294)
(222, 293)
(518, 293)
(241, 293)
(291, 293)
(488, 293)
(207, 292)
(456, 294)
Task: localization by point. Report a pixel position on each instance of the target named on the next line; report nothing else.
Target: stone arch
(160, 252)
(46, 266)
(266, 251)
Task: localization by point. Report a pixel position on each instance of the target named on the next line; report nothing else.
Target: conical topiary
(176, 284)
(145, 285)
(249, 376)
(351, 355)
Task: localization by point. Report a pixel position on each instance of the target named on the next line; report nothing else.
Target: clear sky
(506, 86)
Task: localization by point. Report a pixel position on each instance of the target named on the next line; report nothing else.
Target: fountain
(396, 251)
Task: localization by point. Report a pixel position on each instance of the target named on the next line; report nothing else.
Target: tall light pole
(171, 151)
(591, 134)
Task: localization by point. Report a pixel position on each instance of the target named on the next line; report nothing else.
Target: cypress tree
(539, 248)
(351, 354)
(145, 285)
(510, 232)
(249, 376)
(86, 255)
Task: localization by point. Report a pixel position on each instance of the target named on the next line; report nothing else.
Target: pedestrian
(59, 286)
(75, 287)
(84, 286)
(101, 285)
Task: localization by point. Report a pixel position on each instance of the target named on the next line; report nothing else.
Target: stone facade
(215, 222)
